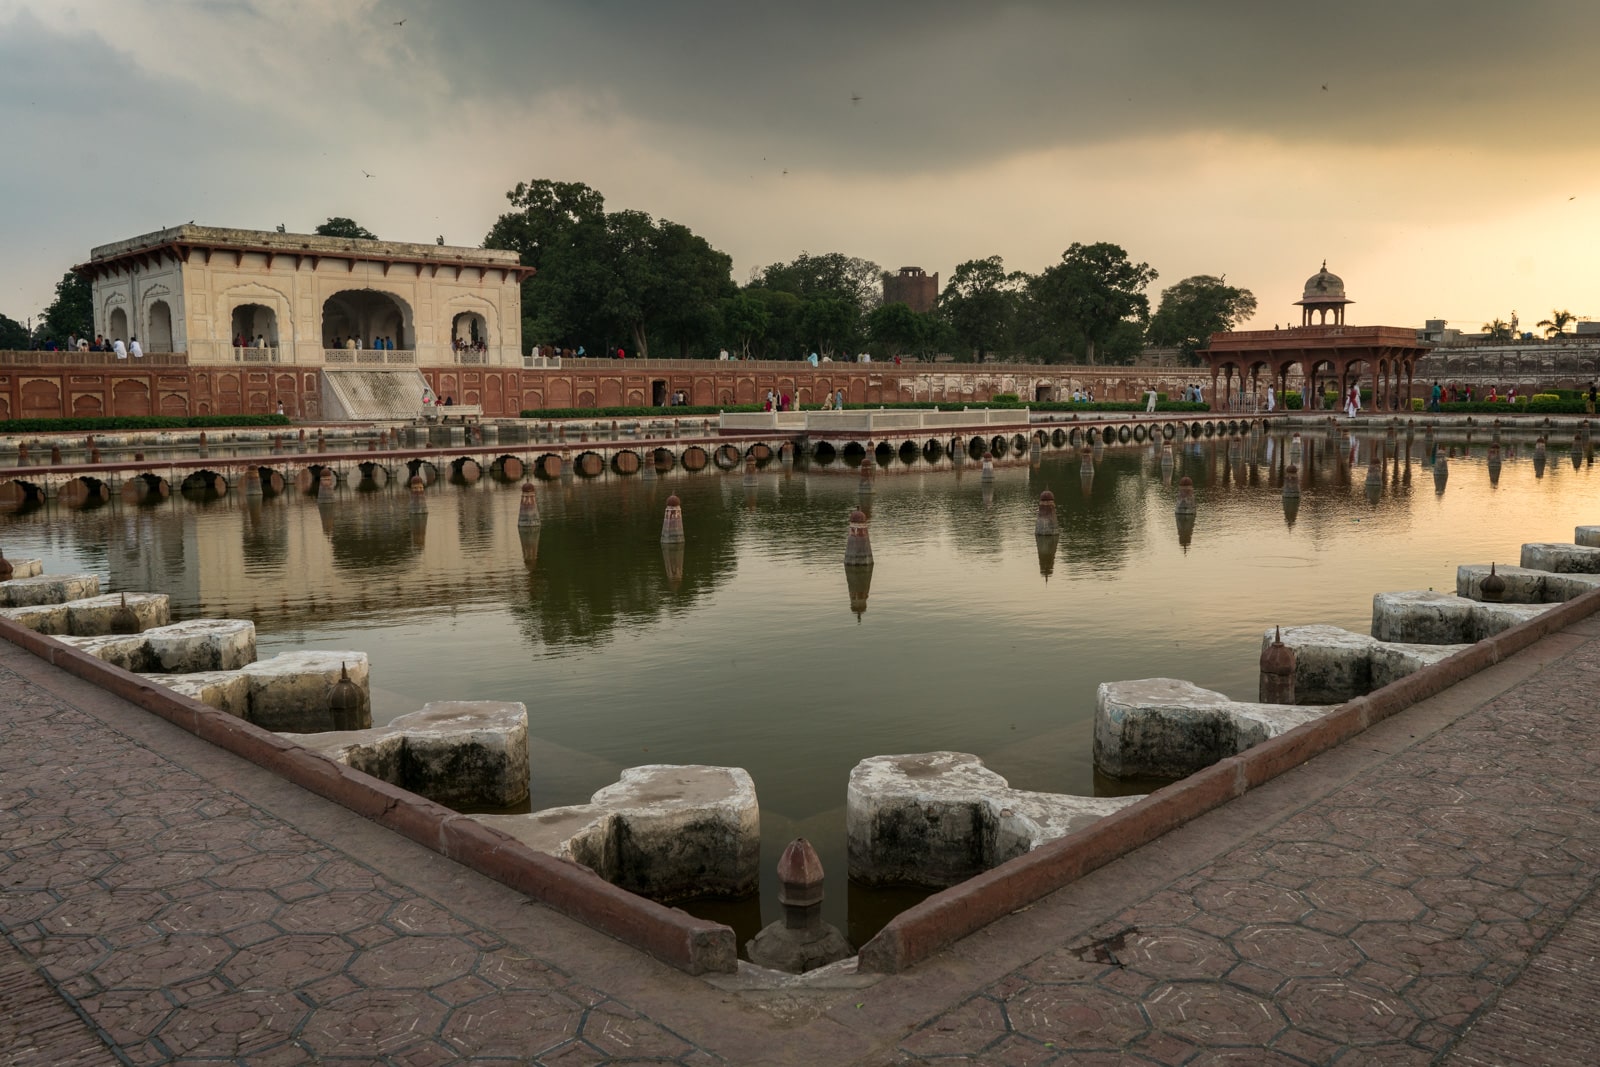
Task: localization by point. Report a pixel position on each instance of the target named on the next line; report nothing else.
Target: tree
(1498, 330)
(895, 328)
(691, 281)
(836, 292)
(980, 304)
(339, 226)
(1556, 324)
(72, 311)
(831, 324)
(13, 335)
(1091, 290)
(1196, 308)
(745, 320)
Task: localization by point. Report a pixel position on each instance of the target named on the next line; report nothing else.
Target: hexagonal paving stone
(1077, 1017)
(1295, 951)
(163, 962)
(1251, 902)
(513, 1024)
(330, 913)
(371, 1022)
(218, 912)
(267, 870)
(1315, 859)
(128, 1017)
(288, 961)
(414, 962)
(969, 1028)
(1362, 899)
(418, 916)
(1417, 948)
(1176, 952)
(234, 1023)
(1210, 1014)
(626, 1034)
(1346, 1012)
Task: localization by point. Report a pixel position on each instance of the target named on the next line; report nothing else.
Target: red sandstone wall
(54, 392)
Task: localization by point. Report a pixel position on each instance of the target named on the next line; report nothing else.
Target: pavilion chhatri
(1312, 356)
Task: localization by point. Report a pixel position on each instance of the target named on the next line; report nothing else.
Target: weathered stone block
(92, 617)
(289, 692)
(466, 752)
(1587, 536)
(26, 568)
(380, 753)
(227, 691)
(934, 819)
(1333, 665)
(1169, 728)
(1425, 617)
(48, 619)
(667, 832)
(48, 589)
(1561, 559)
(131, 652)
(1524, 586)
(202, 645)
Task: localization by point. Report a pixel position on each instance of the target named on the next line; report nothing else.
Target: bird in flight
(365, 174)
(855, 98)
(1324, 88)
(402, 22)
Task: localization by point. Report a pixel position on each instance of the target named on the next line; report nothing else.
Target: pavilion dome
(1324, 285)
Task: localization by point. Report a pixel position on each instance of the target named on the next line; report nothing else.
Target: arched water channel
(755, 658)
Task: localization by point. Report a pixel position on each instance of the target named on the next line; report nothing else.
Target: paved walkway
(1424, 893)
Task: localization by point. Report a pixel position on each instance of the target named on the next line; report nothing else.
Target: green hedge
(1535, 407)
(629, 412)
(138, 422)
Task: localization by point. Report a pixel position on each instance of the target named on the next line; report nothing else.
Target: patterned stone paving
(146, 911)
(1374, 926)
(1437, 907)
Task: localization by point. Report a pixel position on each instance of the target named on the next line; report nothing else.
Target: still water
(755, 658)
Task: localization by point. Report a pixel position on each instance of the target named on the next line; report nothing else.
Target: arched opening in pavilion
(160, 328)
(117, 324)
(254, 326)
(369, 315)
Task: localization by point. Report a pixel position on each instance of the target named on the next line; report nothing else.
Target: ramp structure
(372, 394)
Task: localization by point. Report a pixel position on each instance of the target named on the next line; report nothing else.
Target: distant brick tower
(914, 288)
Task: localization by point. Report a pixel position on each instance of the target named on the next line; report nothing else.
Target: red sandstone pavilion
(1315, 356)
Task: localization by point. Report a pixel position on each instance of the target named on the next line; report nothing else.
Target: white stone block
(1425, 617)
(131, 652)
(380, 753)
(1524, 586)
(202, 645)
(1587, 536)
(48, 619)
(1169, 728)
(227, 691)
(667, 832)
(92, 617)
(1560, 558)
(466, 752)
(1333, 665)
(289, 692)
(26, 568)
(48, 589)
(934, 819)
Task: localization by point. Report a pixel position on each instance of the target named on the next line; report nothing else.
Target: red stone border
(672, 936)
(920, 931)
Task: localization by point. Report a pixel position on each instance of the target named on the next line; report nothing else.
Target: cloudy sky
(1440, 154)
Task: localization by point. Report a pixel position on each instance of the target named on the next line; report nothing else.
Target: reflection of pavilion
(225, 296)
(1316, 356)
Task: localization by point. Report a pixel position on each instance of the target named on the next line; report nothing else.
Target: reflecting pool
(751, 653)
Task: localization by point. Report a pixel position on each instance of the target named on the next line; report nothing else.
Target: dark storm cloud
(951, 83)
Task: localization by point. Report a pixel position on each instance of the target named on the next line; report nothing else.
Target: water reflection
(738, 645)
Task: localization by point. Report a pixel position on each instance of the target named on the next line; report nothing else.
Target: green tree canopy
(13, 335)
(1194, 309)
(609, 277)
(339, 226)
(1090, 291)
(836, 293)
(71, 312)
(980, 302)
(745, 320)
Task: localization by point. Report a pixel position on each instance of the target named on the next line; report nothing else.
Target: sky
(1440, 155)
